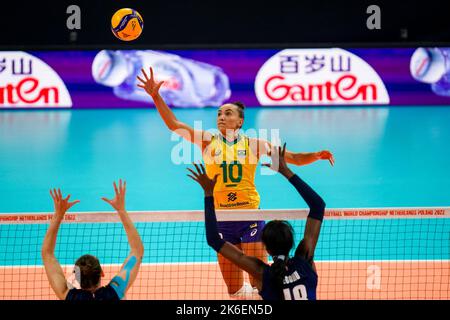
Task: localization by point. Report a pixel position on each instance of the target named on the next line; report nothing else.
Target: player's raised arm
(252, 265)
(296, 158)
(315, 203)
(52, 267)
(151, 86)
(130, 268)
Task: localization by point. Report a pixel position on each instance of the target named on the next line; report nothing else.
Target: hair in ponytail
(278, 270)
(278, 237)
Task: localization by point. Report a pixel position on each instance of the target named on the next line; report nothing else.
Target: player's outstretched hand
(118, 202)
(202, 179)
(61, 204)
(149, 84)
(325, 155)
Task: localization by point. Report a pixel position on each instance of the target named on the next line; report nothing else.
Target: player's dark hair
(241, 108)
(278, 238)
(90, 271)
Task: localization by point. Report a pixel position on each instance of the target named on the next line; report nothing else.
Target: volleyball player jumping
(234, 157)
(287, 278)
(88, 266)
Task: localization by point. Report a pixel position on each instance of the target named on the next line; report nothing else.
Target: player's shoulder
(303, 263)
(75, 294)
(297, 258)
(106, 293)
(208, 138)
(208, 135)
(266, 271)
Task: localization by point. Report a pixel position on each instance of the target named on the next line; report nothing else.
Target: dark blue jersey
(106, 293)
(300, 282)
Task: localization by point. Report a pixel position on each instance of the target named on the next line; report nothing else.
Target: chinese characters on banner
(318, 76)
(26, 81)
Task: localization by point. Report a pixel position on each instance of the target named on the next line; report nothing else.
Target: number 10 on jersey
(231, 171)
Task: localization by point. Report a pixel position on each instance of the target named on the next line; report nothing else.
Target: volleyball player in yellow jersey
(234, 158)
(236, 163)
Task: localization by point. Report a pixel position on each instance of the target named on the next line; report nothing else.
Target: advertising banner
(326, 77)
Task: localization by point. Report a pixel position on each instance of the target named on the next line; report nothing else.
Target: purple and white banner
(201, 78)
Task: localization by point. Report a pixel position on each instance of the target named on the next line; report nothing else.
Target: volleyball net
(384, 253)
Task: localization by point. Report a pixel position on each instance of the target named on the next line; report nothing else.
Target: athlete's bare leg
(255, 249)
(232, 274)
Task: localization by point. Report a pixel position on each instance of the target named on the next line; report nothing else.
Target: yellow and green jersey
(235, 164)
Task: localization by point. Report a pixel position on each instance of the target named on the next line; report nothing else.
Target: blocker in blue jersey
(287, 278)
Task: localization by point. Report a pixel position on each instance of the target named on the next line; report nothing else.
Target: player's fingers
(192, 171)
(60, 194)
(51, 193)
(56, 194)
(145, 74)
(151, 73)
(115, 188)
(124, 187)
(215, 178)
(120, 185)
(203, 168)
(67, 198)
(71, 204)
(193, 178)
(197, 168)
(107, 200)
(141, 86)
(284, 150)
(159, 85)
(140, 79)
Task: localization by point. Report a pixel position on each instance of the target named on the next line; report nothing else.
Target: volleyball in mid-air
(127, 24)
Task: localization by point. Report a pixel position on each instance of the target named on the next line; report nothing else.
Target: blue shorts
(237, 232)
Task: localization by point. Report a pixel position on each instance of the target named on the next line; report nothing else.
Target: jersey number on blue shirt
(299, 293)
